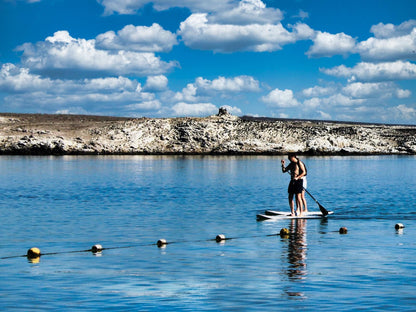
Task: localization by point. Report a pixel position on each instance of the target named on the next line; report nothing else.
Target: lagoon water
(65, 205)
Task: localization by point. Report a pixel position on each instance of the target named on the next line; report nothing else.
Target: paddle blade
(323, 210)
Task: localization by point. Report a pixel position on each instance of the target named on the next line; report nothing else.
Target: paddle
(323, 210)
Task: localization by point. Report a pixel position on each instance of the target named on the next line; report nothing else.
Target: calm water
(67, 204)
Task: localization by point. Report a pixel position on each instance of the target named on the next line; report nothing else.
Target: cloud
(374, 90)
(365, 71)
(28, 1)
(398, 48)
(402, 94)
(280, 98)
(63, 55)
(132, 6)
(201, 109)
(312, 103)
(247, 12)
(302, 31)
(219, 86)
(359, 101)
(337, 105)
(146, 106)
(302, 15)
(138, 38)
(324, 116)
(14, 79)
(188, 94)
(342, 100)
(198, 33)
(347, 95)
(222, 84)
(72, 110)
(390, 43)
(326, 44)
(156, 83)
(384, 31)
(218, 25)
(318, 91)
(403, 112)
(31, 91)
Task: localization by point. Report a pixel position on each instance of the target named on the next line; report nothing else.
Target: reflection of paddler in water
(297, 249)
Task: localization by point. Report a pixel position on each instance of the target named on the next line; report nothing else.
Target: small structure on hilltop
(223, 112)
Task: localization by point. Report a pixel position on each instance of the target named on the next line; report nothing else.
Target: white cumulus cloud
(318, 91)
(222, 84)
(63, 54)
(326, 44)
(138, 38)
(389, 49)
(31, 91)
(200, 109)
(384, 31)
(219, 86)
(156, 83)
(374, 90)
(15, 79)
(404, 112)
(188, 94)
(198, 33)
(145, 106)
(131, 6)
(365, 71)
(280, 98)
(248, 12)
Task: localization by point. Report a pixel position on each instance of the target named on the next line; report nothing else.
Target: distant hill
(222, 134)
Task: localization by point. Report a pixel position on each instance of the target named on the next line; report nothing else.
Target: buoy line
(34, 253)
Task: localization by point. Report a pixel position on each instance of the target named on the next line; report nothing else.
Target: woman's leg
(299, 206)
(291, 204)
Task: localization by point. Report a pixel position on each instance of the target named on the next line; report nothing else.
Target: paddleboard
(282, 215)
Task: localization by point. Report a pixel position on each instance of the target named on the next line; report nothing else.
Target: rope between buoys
(161, 242)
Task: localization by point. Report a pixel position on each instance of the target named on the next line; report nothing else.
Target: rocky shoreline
(222, 134)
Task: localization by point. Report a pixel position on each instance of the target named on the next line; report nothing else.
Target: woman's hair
(290, 155)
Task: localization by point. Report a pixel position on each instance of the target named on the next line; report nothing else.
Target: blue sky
(312, 59)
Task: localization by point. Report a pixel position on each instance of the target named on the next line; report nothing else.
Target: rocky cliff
(38, 134)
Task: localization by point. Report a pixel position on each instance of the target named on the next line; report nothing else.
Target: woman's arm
(284, 169)
(302, 172)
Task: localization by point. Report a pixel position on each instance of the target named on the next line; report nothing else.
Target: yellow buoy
(343, 230)
(284, 232)
(220, 238)
(97, 248)
(161, 243)
(33, 252)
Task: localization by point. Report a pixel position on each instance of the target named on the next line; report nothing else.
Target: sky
(310, 59)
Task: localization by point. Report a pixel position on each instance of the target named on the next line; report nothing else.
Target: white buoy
(220, 238)
(33, 252)
(161, 243)
(97, 248)
(399, 226)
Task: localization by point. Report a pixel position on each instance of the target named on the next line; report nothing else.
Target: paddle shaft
(323, 210)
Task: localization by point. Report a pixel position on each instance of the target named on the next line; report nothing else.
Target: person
(298, 173)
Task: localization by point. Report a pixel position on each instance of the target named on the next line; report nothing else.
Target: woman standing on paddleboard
(298, 172)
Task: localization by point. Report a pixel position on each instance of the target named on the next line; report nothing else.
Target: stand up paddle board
(282, 215)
